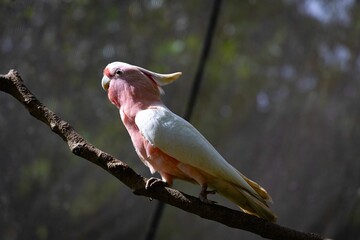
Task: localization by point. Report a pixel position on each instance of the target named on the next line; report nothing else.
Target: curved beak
(105, 82)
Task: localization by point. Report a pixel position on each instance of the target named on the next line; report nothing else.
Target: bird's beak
(161, 79)
(105, 82)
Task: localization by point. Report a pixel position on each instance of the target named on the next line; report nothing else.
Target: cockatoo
(171, 146)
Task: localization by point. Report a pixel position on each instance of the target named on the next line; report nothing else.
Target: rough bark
(12, 84)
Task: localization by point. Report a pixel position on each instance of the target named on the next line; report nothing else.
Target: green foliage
(35, 175)
(91, 197)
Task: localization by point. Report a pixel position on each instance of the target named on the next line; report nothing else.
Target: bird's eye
(118, 72)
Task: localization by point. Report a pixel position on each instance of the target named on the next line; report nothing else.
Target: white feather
(180, 140)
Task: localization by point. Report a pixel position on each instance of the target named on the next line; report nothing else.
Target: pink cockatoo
(171, 146)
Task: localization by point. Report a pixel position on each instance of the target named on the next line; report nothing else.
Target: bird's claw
(151, 182)
(203, 195)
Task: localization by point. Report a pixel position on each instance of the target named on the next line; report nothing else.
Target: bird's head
(135, 76)
(128, 84)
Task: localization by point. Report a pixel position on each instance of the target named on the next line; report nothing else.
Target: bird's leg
(196, 175)
(204, 192)
(151, 182)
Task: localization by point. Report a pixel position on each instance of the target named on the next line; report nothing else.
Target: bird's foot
(203, 194)
(151, 182)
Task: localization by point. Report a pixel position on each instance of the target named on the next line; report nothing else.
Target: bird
(171, 146)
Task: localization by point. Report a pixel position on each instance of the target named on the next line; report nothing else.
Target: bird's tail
(252, 204)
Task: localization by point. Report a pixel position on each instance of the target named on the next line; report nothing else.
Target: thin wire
(203, 59)
(191, 103)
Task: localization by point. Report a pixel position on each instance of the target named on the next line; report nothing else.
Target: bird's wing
(180, 140)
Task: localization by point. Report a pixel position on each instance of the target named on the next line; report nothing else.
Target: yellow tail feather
(254, 205)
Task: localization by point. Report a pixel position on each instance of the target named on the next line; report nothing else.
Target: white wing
(180, 140)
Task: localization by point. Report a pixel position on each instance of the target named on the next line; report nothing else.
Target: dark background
(279, 99)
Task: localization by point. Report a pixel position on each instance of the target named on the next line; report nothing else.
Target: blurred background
(279, 100)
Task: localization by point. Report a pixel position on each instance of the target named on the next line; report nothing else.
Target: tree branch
(12, 84)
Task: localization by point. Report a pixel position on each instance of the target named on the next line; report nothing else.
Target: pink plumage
(169, 145)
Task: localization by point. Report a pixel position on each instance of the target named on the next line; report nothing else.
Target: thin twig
(12, 84)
